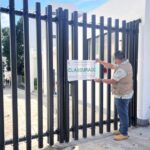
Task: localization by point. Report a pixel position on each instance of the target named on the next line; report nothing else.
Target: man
(122, 88)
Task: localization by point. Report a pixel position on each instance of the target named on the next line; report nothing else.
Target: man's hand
(107, 81)
(105, 64)
(101, 62)
(97, 61)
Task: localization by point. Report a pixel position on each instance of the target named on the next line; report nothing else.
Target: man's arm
(105, 64)
(107, 81)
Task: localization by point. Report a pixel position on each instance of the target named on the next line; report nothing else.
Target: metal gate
(99, 38)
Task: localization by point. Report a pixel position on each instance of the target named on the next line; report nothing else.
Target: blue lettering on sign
(81, 69)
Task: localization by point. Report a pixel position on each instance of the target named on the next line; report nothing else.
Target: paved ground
(139, 137)
(22, 118)
(139, 140)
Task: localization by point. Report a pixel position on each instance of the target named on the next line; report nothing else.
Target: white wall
(121, 9)
(143, 69)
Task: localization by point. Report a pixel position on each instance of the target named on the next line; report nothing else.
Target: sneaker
(116, 132)
(120, 137)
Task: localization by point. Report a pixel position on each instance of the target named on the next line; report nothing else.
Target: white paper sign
(82, 70)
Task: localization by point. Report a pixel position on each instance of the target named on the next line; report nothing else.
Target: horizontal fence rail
(44, 17)
(76, 38)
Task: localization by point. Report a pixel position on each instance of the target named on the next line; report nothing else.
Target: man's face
(118, 61)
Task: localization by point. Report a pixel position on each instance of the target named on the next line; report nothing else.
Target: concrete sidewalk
(139, 137)
(139, 140)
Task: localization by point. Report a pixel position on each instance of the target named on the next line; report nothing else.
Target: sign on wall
(82, 70)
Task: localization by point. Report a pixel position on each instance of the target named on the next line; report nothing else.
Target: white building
(128, 10)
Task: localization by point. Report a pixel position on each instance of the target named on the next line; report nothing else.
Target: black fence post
(101, 74)
(85, 57)
(71, 85)
(127, 41)
(60, 73)
(50, 76)
(135, 64)
(66, 83)
(131, 57)
(134, 73)
(124, 36)
(136, 34)
(27, 73)
(128, 56)
(136, 69)
(116, 48)
(93, 33)
(13, 51)
(109, 55)
(39, 75)
(75, 83)
(2, 147)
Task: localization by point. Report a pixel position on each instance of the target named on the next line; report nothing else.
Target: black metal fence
(124, 37)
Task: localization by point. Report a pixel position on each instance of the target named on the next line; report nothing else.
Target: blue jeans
(122, 109)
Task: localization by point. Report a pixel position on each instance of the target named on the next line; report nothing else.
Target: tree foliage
(6, 45)
(19, 46)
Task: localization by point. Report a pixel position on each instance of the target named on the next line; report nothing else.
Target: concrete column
(143, 110)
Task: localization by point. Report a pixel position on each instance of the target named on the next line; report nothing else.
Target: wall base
(142, 122)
